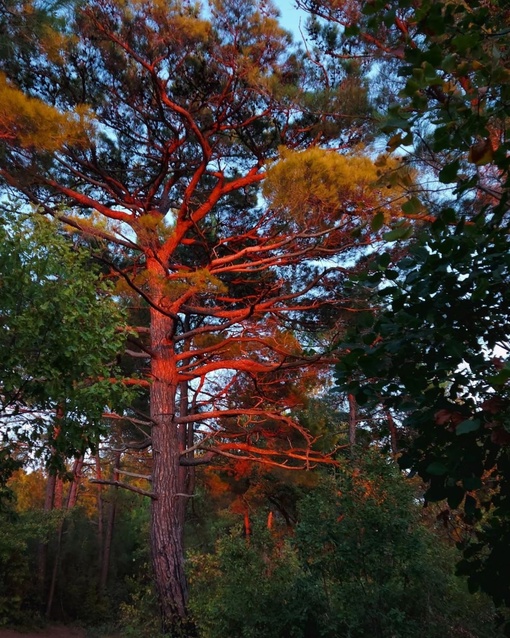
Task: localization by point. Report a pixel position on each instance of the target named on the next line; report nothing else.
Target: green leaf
(436, 468)
(401, 232)
(412, 207)
(472, 483)
(470, 425)
(455, 496)
(377, 221)
(449, 172)
(384, 260)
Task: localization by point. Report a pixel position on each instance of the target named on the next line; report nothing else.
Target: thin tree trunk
(107, 549)
(99, 503)
(54, 573)
(247, 526)
(353, 420)
(50, 492)
(72, 497)
(58, 498)
(42, 552)
(393, 433)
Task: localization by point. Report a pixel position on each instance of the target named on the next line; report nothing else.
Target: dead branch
(131, 488)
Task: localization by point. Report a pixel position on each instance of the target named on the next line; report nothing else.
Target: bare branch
(125, 486)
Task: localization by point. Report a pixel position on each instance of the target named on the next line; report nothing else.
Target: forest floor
(47, 632)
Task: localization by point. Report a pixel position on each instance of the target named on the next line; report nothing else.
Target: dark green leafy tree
(436, 352)
(60, 334)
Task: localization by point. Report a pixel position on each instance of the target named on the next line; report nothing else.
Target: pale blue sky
(290, 17)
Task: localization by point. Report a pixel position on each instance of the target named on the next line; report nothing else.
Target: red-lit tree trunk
(166, 512)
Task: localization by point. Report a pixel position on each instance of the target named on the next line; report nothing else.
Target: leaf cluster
(60, 335)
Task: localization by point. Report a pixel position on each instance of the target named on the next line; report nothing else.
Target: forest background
(240, 281)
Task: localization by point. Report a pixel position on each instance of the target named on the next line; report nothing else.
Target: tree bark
(166, 511)
(393, 433)
(42, 553)
(72, 497)
(99, 505)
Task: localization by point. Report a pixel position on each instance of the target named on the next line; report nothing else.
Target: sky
(290, 17)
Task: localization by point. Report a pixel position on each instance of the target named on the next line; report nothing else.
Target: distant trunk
(72, 497)
(393, 433)
(167, 518)
(42, 552)
(107, 545)
(353, 420)
(58, 503)
(247, 525)
(99, 501)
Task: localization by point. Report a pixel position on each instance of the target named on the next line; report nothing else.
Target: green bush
(359, 564)
(251, 589)
(20, 594)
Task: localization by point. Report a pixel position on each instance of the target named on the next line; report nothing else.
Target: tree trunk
(353, 420)
(166, 513)
(393, 432)
(99, 505)
(72, 497)
(107, 547)
(42, 552)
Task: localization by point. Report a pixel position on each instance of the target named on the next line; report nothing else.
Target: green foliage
(430, 354)
(382, 572)
(59, 334)
(19, 596)
(456, 69)
(250, 588)
(359, 564)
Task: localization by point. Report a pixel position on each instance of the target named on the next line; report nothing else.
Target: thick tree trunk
(166, 514)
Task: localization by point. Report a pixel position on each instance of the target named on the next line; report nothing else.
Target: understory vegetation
(360, 557)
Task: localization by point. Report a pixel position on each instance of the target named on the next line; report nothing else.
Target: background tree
(432, 350)
(436, 354)
(359, 562)
(447, 94)
(59, 334)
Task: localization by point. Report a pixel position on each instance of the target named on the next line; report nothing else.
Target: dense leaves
(436, 353)
(359, 564)
(59, 336)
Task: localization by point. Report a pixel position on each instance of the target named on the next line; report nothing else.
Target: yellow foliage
(152, 226)
(301, 179)
(208, 340)
(31, 123)
(323, 184)
(201, 281)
